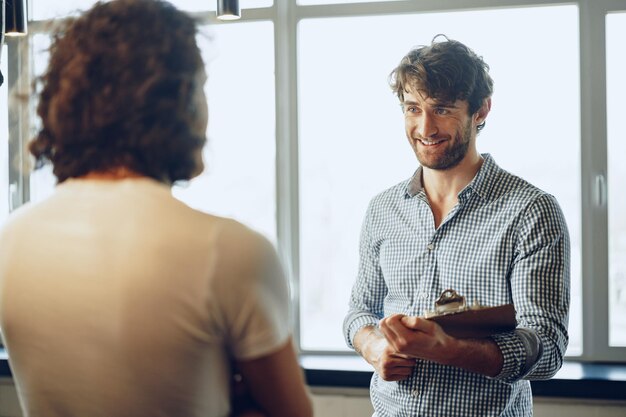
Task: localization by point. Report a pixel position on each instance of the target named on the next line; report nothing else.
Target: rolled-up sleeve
(369, 290)
(540, 286)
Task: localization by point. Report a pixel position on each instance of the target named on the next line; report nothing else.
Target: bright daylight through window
(304, 130)
(352, 141)
(616, 91)
(4, 149)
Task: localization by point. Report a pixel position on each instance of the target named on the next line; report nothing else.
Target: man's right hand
(374, 348)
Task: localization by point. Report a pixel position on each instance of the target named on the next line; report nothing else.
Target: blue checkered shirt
(505, 241)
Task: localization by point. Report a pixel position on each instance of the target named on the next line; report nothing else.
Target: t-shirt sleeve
(255, 300)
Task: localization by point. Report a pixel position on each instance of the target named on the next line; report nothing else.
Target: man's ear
(483, 111)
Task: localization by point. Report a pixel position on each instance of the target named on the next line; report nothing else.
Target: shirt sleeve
(540, 286)
(254, 299)
(369, 290)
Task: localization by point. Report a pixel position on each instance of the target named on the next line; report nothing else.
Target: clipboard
(463, 321)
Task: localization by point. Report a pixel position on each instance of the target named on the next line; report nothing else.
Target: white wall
(342, 402)
(330, 402)
(9, 406)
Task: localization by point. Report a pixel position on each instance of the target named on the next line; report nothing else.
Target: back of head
(118, 92)
(445, 71)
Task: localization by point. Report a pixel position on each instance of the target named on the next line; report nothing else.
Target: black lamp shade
(15, 18)
(228, 9)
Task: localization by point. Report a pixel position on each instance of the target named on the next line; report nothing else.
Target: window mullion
(287, 200)
(593, 167)
(19, 120)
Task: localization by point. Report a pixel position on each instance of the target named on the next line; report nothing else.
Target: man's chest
(471, 252)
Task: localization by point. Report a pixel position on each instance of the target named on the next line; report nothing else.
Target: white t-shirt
(116, 299)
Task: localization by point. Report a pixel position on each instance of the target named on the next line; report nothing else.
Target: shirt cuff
(521, 350)
(357, 324)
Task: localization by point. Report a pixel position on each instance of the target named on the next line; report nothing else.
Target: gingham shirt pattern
(505, 241)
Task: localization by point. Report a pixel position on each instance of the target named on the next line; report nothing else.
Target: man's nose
(426, 125)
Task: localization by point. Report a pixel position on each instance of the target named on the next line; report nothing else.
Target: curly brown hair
(118, 92)
(445, 71)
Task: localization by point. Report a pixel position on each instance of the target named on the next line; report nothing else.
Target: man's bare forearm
(481, 356)
(363, 337)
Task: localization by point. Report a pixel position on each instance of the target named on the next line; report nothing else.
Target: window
(240, 182)
(239, 176)
(326, 134)
(310, 2)
(347, 107)
(616, 173)
(42, 181)
(4, 145)
(42, 9)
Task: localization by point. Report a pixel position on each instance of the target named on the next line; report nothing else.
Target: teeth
(430, 143)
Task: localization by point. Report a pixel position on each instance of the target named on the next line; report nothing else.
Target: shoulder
(243, 254)
(232, 234)
(22, 219)
(533, 207)
(518, 191)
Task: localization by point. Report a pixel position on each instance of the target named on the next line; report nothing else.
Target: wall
(330, 402)
(9, 406)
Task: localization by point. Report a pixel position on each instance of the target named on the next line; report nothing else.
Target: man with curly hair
(463, 223)
(116, 299)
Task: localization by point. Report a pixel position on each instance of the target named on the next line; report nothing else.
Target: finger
(396, 373)
(405, 363)
(385, 329)
(392, 325)
(389, 375)
(418, 323)
(392, 378)
(390, 359)
(397, 334)
(390, 320)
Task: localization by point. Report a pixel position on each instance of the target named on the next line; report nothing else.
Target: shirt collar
(415, 184)
(481, 184)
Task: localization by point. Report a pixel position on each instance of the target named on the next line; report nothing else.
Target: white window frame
(285, 15)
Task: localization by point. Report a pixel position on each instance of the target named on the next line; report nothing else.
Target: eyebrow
(436, 104)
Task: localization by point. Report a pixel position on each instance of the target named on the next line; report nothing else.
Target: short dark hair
(118, 92)
(445, 71)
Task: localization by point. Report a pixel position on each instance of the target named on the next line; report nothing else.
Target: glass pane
(239, 179)
(42, 181)
(352, 141)
(616, 91)
(4, 138)
(311, 2)
(211, 5)
(46, 9)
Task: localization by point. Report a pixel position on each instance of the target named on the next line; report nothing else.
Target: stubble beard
(454, 155)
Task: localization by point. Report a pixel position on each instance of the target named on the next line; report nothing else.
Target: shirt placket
(427, 248)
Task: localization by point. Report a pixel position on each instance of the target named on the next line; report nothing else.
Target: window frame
(285, 16)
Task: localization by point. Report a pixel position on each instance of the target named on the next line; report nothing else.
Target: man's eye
(441, 111)
(411, 109)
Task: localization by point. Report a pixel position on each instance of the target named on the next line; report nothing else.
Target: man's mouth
(430, 142)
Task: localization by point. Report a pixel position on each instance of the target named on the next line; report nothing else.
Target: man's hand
(417, 337)
(390, 365)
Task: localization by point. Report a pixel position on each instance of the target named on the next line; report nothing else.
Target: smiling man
(459, 222)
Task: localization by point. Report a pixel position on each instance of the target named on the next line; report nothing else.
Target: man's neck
(445, 185)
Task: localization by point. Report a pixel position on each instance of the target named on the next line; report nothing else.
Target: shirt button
(415, 392)
(430, 246)
(423, 295)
